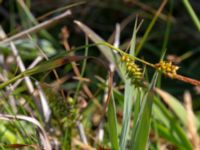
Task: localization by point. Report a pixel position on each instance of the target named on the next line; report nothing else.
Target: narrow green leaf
(137, 104)
(130, 93)
(170, 124)
(112, 124)
(49, 65)
(107, 52)
(142, 127)
(152, 23)
(166, 133)
(192, 13)
(176, 107)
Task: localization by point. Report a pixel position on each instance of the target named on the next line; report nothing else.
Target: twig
(45, 107)
(22, 67)
(9, 88)
(28, 81)
(81, 132)
(190, 124)
(76, 70)
(122, 24)
(146, 7)
(36, 28)
(33, 64)
(100, 134)
(117, 35)
(11, 98)
(46, 57)
(185, 79)
(82, 145)
(68, 6)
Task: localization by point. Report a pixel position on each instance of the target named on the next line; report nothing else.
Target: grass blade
(142, 127)
(192, 14)
(107, 52)
(130, 93)
(139, 47)
(169, 126)
(112, 124)
(47, 66)
(176, 107)
(128, 103)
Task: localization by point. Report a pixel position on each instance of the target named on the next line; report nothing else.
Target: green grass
(117, 108)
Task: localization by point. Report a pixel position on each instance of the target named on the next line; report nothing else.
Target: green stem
(83, 69)
(152, 23)
(122, 52)
(192, 14)
(2, 85)
(56, 63)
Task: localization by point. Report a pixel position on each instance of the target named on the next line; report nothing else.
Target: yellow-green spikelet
(167, 67)
(132, 69)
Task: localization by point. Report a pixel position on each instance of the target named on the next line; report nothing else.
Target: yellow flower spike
(123, 58)
(169, 63)
(128, 59)
(129, 68)
(162, 63)
(128, 64)
(137, 73)
(166, 67)
(133, 71)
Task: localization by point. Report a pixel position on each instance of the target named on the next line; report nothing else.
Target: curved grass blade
(176, 107)
(49, 65)
(192, 13)
(107, 52)
(144, 38)
(142, 127)
(169, 126)
(130, 94)
(112, 124)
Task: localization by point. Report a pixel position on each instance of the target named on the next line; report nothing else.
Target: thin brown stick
(122, 24)
(68, 6)
(109, 92)
(185, 79)
(46, 57)
(65, 34)
(147, 8)
(82, 145)
(36, 28)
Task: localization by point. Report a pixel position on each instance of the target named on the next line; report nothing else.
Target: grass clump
(70, 93)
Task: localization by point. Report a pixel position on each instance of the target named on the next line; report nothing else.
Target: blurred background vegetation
(76, 100)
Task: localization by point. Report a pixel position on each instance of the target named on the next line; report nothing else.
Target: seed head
(167, 67)
(133, 71)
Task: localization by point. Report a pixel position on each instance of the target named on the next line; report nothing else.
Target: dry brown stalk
(184, 79)
(36, 28)
(152, 10)
(65, 35)
(192, 130)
